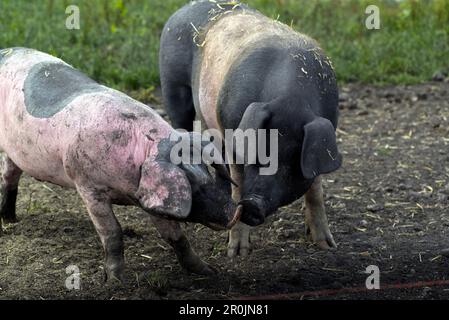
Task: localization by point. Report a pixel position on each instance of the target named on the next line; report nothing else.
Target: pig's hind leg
(108, 228)
(239, 235)
(175, 72)
(178, 102)
(9, 183)
(171, 232)
(317, 226)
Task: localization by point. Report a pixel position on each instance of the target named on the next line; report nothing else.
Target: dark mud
(387, 206)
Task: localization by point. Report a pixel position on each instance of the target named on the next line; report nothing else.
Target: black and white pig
(235, 68)
(59, 126)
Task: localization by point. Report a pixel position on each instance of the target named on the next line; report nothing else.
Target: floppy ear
(255, 116)
(319, 149)
(164, 189)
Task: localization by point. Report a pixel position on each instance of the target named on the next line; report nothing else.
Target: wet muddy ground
(387, 206)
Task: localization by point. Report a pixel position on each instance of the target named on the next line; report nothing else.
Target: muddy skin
(9, 181)
(189, 261)
(129, 116)
(8, 205)
(114, 261)
(108, 228)
(172, 233)
(61, 127)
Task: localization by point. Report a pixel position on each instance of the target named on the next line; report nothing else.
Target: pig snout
(254, 210)
(233, 216)
(223, 219)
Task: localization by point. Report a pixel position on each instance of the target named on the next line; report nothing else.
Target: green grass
(118, 40)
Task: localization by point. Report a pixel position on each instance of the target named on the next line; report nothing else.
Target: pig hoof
(239, 241)
(113, 278)
(114, 273)
(235, 251)
(206, 270)
(232, 252)
(200, 267)
(10, 220)
(324, 241)
(326, 245)
(8, 215)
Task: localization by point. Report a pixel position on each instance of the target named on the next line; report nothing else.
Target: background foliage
(118, 40)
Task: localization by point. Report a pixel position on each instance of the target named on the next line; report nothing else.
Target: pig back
(228, 41)
(49, 111)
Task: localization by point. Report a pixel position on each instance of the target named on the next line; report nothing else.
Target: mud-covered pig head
(185, 191)
(306, 148)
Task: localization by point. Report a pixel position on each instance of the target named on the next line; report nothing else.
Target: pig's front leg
(239, 243)
(171, 232)
(100, 211)
(317, 226)
(239, 234)
(9, 183)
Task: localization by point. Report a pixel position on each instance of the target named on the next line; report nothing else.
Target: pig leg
(239, 234)
(317, 226)
(178, 102)
(100, 211)
(10, 176)
(239, 240)
(171, 232)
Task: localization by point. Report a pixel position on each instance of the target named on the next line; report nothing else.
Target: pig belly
(46, 170)
(34, 146)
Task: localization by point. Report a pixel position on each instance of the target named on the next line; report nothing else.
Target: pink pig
(59, 126)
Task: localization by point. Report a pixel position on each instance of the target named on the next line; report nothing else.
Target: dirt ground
(387, 206)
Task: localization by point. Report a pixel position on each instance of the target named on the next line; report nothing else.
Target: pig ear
(164, 189)
(319, 150)
(255, 117)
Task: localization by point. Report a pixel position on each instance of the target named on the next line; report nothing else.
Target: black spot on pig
(50, 87)
(152, 132)
(20, 117)
(24, 154)
(130, 116)
(120, 137)
(116, 135)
